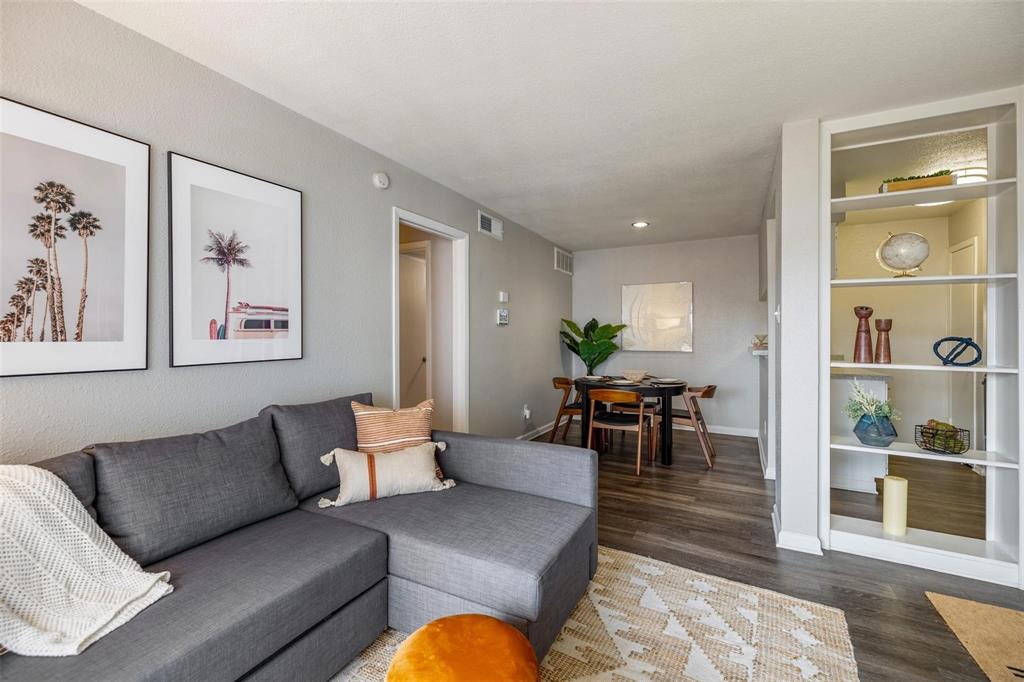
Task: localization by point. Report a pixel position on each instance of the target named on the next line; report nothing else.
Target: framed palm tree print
(236, 266)
(74, 251)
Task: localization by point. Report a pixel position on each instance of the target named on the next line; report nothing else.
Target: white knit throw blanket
(63, 581)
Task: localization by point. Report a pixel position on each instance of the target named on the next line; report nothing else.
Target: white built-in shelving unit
(998, 116)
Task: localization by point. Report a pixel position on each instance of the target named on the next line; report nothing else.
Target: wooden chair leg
(554, 429)
(639, 445)
(707, 439)
(568, 423)
(700, 439)
(590, 436)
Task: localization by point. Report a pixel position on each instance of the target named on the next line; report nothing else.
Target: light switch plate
(502, 297)
(502, 317)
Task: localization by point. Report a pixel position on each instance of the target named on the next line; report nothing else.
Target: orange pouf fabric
(465, 648)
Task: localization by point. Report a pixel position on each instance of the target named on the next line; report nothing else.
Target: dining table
(649, 387)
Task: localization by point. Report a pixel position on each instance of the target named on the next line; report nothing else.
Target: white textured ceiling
(574, 119)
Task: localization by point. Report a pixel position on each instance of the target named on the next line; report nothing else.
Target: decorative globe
(901, 253)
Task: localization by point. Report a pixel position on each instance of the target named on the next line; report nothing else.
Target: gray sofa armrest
(557, 472)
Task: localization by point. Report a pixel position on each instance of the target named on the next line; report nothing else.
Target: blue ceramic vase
(878, 432)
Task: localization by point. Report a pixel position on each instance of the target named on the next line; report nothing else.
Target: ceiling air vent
(563, 261)
(489, 224)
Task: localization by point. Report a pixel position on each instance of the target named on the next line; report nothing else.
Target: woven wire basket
(946, 441)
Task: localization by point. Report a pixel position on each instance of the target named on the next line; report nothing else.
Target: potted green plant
(873, 415)
(593, 343)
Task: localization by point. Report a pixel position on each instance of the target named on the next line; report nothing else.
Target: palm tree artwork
(55, 198)
(226, 252)
(86, 225)
(43, 273)
(26, 287)
(37, 271)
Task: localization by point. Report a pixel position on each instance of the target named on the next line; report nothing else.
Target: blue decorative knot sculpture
(960, 346)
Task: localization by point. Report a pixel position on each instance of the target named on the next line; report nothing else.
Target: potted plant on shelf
(900, 184)
(593, 343)
(873, 415)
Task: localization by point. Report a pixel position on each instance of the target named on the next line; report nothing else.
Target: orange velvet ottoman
(468, 648)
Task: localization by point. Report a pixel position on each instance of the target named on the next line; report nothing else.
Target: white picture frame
(262, 321)
(108, 177)
(658, 317)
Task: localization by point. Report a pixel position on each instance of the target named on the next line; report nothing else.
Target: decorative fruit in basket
(942, 436)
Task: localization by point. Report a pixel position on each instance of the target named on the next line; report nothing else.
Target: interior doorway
(430, 306)
(415, 356)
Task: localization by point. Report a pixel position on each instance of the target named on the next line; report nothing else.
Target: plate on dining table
(622, 382)
(666, 380)
(592, 377)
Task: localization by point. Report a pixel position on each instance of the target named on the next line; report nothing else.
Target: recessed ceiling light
(934, 203)
(641, 224)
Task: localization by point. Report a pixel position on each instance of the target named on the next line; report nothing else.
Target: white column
(797, 479)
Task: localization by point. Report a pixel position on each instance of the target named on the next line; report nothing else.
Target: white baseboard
(530, 435)
(798, 542)
(856, 485)
(722, 430)
(767, 468)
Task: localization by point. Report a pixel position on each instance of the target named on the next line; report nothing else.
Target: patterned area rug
(648, 620)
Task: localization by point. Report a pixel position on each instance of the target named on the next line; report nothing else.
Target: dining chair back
(609, 420)
(565, 408)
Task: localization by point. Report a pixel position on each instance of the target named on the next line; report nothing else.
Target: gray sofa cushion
(495, 547)
(77, 470)
(237, 600)
(306, 432)
(158, 497)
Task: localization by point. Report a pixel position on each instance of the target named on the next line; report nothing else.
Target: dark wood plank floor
(719, 522)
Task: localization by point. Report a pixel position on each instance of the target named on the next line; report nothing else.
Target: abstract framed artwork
(74, 245)
(659, 317)
(236, 266)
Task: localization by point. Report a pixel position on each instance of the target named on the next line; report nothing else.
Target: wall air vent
(490, 225)
(563, 261)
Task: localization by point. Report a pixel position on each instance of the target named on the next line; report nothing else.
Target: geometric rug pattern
(643, 619)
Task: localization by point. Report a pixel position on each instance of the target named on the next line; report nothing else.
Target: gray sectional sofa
(267, 586)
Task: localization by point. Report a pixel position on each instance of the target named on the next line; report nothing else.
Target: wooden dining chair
(609, 420)
(692, 416)
(566, 408)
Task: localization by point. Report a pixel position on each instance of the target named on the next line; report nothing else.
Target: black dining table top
(647, 386)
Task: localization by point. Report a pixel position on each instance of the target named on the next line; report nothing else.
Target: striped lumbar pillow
(381, 429)
(369, 476)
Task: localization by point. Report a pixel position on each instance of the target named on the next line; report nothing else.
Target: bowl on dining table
(635, 375)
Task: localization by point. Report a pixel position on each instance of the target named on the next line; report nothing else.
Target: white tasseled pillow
(368, 476)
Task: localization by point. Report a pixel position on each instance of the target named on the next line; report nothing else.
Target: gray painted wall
(726, 314)
(71, 61)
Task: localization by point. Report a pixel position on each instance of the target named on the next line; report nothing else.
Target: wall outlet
(526, 412)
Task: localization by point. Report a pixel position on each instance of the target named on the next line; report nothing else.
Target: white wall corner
(798, 474)
(767, 465)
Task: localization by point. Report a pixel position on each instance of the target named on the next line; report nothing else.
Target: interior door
(413, 320)
(964, 320)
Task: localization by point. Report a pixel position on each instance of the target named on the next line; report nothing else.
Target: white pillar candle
(894, 506)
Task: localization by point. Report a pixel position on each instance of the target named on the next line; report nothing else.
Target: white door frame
(421, 251)
(460, 310)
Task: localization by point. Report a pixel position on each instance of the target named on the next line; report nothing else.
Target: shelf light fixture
(970, 174)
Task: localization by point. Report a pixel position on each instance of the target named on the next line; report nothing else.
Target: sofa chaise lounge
(268, 586)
